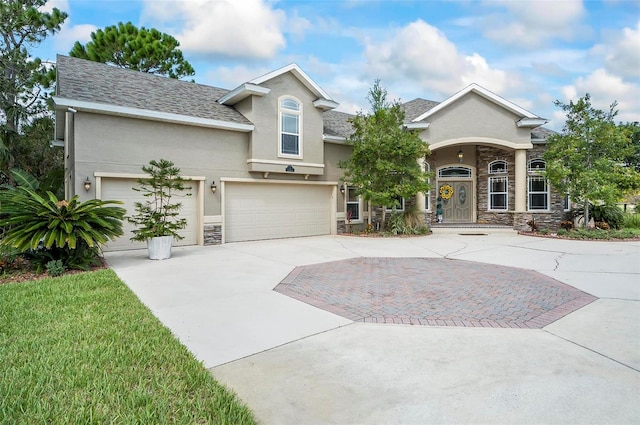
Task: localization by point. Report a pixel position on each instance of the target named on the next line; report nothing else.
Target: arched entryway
(455, 196)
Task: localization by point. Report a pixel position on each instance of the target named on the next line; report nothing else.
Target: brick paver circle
(433, 291)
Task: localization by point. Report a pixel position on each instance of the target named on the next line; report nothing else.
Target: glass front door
(457, 201)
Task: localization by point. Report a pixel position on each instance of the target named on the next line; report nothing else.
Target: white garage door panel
(272, 211)
(122, 190)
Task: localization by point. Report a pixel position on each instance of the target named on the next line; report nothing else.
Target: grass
(631, 221)
(82, 349)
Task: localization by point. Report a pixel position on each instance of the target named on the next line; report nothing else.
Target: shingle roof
(336, 124)
(416, 107)
(80, 79)
(541, 133)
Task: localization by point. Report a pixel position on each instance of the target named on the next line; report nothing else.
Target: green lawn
(81, 349)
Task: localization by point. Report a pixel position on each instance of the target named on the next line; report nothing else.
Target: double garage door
(255, 211)
(121, 189)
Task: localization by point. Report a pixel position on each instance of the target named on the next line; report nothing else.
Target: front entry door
(456, 209)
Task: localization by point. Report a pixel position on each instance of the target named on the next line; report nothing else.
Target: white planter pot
(159, 247)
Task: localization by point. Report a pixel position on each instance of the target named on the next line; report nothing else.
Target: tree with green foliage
(633, 160)
(141, 49)
(23, 79)
(384, 164)
(587, 160)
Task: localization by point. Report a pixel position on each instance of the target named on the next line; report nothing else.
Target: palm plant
(47, 228)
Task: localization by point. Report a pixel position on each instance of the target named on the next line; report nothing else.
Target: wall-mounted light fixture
(460, 155)
(289, 169)
(342, 190)
(87, 184)
(213, 186)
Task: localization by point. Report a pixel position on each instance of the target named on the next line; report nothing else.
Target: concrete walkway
(297, 364)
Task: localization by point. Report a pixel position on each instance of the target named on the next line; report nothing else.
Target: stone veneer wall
(545, 220)
(212, 234)
(485, 155)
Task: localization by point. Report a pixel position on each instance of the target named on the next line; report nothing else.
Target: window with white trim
(290, 111)
(537, 187)
(498, 193)
(498, 186)
(427, 196)
(353, 204)
(566, 202)
(498, 167)
(399, 205)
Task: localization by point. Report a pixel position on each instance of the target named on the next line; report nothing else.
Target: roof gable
(529, 117)
(299, 74)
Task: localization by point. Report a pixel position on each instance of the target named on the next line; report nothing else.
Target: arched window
(461, 171)
(536, 165)
(290, 111)
(498, 167)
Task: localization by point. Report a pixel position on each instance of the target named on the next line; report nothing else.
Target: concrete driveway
(293, 363)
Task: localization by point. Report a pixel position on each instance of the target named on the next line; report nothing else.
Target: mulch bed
(20, 271)
(567, 237)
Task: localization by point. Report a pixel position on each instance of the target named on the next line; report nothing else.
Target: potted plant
(158, 218)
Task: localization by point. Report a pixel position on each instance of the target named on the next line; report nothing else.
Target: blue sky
(530, 52)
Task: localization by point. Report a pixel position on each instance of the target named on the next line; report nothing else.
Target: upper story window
(290, 111)
(498, 167)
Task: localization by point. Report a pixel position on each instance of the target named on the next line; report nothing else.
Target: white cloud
(243, 29)
(422, 54)
(604, 89)
(62, 5)
(533, 24)
(620, 52)
(69, 34)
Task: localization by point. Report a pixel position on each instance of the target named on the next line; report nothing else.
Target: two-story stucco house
(263, 157)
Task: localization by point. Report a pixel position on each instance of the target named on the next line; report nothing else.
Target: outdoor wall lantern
(213, 186)
(460, 155)
(342, 190)
(289, 169)
(87, 184)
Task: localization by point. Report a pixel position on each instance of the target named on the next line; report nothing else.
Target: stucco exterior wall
(263, 112)
(122, 145)
(474, 116)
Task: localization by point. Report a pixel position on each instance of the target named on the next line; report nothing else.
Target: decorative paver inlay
(433, 291)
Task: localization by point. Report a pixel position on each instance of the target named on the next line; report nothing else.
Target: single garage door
(255, 211)
(121, 189)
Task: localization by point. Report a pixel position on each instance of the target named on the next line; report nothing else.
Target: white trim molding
(125, 111)
(241, 92)
(480, 141)
(285, 163)
(500, 101)
(300, 75)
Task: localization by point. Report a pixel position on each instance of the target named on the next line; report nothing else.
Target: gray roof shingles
(84, 80)
(80, 79)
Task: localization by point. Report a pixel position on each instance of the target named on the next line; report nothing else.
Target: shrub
(532, 224)
(55, 268)
(602, 225)
(610, 214)
(563, 232)
(566, 224)
(631, 221)
(45, 228)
